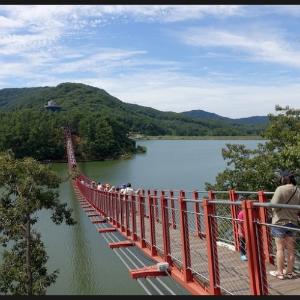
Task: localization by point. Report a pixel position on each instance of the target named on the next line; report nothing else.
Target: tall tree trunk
(28, 256)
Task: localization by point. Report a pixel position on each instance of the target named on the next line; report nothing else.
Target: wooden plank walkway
(234, 275)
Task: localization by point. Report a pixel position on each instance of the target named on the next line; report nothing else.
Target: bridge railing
(196, 232)
(200, 243)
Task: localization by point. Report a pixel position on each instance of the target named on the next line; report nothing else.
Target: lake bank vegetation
(253, 170)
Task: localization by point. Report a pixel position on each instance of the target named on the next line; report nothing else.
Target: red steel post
(127, 215)
(197, 216)
(113, 197)
(152, 226)
(185, 243)
(141, 200)
(172, 209)
(97, 205)
(99, 201)
(109, 205)
(133, 217)
(156, 206)
(165, 227)
(104, 203)
(122, 212)
(266, 236)
(255, 253)
(233, 196)
(211, 242)
(118, 209)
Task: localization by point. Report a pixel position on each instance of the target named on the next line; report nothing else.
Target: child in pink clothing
(242, 239)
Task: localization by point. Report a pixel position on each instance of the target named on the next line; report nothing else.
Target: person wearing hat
(286, 193)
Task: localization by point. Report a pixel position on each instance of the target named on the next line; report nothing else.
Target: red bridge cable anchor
(121, 244)
(89, 210)
(103, 230)
(160, 269)
(98, 221)
(93, 215)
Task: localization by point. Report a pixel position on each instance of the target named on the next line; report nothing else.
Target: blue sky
(234, 60)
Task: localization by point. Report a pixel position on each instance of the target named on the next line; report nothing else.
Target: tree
(256, 169)
(26, 187)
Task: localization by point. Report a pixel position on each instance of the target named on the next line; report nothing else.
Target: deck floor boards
(234, 275)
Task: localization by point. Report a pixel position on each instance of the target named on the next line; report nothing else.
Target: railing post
(108, 204)
(127, 215)
(255, 253)
(156, 206)
(185, 243)
(233, 196)
(97, 202)
(211, 242)
(113, 197)
(266, 237)
(197, 216)
(152, 226)
(133, 217)
(111, 214)
(165, 227)
(141, 200)
(172, 209)
(122, 196)
(104, 203)
(118, 209)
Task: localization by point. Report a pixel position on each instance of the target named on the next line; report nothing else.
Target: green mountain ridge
(100, 122)
(138, 118)
(254, 120)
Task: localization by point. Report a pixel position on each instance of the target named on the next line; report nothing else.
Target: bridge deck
(133, 257)
(234, 278)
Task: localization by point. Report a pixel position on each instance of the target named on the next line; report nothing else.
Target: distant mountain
(84, 99)
(204, 115)
(101, 122)
(263, 120)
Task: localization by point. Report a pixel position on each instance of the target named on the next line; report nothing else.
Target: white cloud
(103, 59)
(263, 46)
(31, 41)
(169, 91)
(32, 28)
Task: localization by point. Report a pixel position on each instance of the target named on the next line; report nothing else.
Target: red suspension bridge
(191, 236)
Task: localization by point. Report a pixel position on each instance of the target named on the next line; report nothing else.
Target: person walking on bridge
(287, 219)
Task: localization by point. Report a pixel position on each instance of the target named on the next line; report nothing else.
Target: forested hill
(100, 121)
(204, 115)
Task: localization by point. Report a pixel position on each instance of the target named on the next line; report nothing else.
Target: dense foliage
(26, 188)
(100, 121)
(252, 170)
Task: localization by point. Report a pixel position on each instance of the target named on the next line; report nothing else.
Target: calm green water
(86, 264)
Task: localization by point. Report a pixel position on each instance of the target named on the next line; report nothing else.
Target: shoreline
(170, 137)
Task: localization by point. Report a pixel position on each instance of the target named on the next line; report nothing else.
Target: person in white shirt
(128, 190)
(123, 188)
(99, 186)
